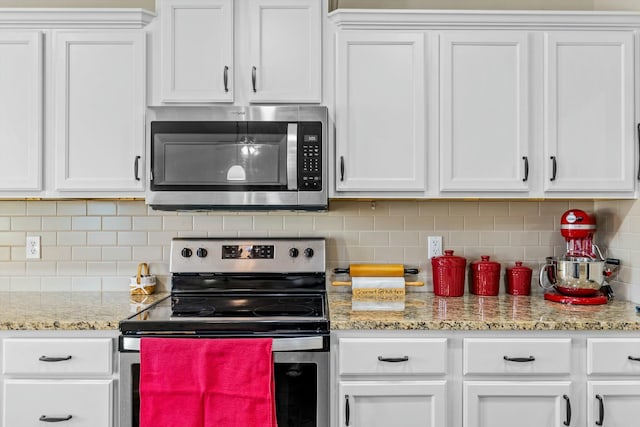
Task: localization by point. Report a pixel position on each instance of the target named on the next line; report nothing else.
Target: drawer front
(517, 356)
(57, 356)
(613, 356)
(72, 403)
(392, 356)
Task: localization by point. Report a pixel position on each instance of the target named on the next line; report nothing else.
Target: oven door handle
(292, 156)
(279, 344)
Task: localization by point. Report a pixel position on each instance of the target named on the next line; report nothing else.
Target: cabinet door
(285, 51)
(380, 112)
(510, 403)
(484, 104)
(589, 111)
(392, 403)
(99, 110)
(613, 403)
(21, 110)
(81, 403)
(196, 50)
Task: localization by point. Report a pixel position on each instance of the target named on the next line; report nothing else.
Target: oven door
(301, 372)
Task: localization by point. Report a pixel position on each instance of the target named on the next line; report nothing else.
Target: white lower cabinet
(485, 378)
(66, 378)
(521, 403)
(393, 403)
(78, 403)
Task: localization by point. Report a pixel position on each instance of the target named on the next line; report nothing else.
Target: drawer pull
(346, 410)
(519, 359)
(635, 359)
(393, 359)
(46, 419)
(568, 401)
(601, 410)
(54, 359)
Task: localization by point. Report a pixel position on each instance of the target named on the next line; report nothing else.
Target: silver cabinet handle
(254, 72)
(225, 78)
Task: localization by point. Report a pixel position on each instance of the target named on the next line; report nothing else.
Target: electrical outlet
(434, 246)
(33, 247)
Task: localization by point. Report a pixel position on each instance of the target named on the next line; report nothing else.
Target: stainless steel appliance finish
(244, 288)
(250, 158)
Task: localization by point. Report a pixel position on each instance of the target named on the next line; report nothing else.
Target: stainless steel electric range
(234, 287)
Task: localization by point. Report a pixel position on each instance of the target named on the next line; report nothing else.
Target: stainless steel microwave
(238, 158)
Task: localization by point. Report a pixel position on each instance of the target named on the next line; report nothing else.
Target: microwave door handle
(292, 156)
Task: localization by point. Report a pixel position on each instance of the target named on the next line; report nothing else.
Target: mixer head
(577, 224)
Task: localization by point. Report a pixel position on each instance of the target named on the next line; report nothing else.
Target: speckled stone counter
(70, 310)
(425, 311)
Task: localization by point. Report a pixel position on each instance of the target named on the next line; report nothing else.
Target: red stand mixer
(582, 274)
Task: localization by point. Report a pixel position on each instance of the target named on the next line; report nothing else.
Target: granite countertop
(69, 310)
(103, 311)
(425, 311)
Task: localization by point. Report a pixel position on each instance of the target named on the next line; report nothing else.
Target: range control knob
(308, 252)
(186, 252)
(201, 252)
(294, 252)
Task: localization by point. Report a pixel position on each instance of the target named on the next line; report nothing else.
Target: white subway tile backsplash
(75, 238)
(102, 269)
(86, 223)
(132, 238)
(56, 223)
(86, 253)
(147, 223)
(41, 208)
(99, 207)
(25, 284)
(73, 207)
(86, 284)
(118, 223)
(116, 253)
(102, 238)
(237, 223)
(72, 268)
(177, 223)
(97, 245)
(56, 284)
(11, 208)
(26, 223)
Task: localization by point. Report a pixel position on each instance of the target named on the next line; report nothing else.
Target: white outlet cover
(434, 246)
(33, 247)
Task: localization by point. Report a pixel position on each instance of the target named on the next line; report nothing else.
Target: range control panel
(224, 255)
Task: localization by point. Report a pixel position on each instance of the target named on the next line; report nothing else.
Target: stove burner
(284, 310)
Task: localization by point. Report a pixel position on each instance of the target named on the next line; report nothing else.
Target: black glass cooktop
(234, 313)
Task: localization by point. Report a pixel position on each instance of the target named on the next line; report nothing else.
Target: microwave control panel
(310, 156)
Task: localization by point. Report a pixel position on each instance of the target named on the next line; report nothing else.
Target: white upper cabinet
(285, 50)
(197, 50)
(21, 111)
(99, 110)
(589, 111)
(484, 111)
(380, 112)
(260, 51)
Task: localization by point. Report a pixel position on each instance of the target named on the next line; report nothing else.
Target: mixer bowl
(573, 276)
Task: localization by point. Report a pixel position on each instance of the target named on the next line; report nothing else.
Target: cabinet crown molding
(352, 19)
(72, 18)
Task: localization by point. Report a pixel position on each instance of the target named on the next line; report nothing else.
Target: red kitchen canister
(448, 274)
(485, 277)
(518, 279)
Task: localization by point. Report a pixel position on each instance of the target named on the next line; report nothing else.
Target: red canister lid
(448, 260)
(484, 264)
(518, 268)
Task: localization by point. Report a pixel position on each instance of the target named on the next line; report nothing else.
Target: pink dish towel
(190, 382)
